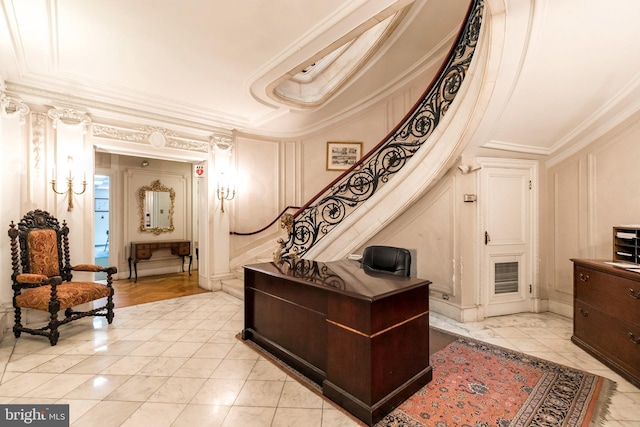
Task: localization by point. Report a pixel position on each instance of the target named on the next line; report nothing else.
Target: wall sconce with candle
(225, 190)
(69, 192)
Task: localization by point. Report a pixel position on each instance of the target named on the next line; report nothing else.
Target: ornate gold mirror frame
(148, 201)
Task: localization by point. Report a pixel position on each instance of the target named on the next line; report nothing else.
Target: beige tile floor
(178, 363)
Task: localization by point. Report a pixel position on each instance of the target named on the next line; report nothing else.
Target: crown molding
(187, 118)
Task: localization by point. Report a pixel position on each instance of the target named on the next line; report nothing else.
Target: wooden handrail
(237, 233)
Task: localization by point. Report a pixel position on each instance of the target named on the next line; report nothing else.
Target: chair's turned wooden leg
(17, 323)
(54, 307)
(110, 308)
(53, 329)
(110, 272)
(53, 337)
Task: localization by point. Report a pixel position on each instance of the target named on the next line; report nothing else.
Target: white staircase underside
(428, 165)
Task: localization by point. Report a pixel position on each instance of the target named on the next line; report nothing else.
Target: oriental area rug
(481, 385)
(476, 384)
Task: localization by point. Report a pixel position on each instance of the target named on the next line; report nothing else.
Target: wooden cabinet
(606, 315)
(626, 244)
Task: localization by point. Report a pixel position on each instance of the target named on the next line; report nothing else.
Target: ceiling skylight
(314, 81)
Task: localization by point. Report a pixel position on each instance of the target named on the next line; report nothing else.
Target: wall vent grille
(506, 277)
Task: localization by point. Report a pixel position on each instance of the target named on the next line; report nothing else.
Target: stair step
(239, 270)
(234, 287)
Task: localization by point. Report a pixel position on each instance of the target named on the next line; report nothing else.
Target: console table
(362, 336)
(143, 251)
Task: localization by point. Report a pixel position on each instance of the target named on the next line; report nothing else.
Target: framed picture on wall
(102, 205)
(343, 155)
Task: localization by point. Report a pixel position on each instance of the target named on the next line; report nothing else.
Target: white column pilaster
(14, 175)
(73, 162)
(219, 220)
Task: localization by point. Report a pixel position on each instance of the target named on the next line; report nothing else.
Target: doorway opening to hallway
(101, 223)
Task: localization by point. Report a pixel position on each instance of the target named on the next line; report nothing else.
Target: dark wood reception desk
(363, 337)
(143, 251)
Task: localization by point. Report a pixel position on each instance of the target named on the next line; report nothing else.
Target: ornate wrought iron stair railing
(307, 226)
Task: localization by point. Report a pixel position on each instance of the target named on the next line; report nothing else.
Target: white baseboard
(561, 308)
(454, 312)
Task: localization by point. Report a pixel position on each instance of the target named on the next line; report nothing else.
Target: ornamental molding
(38, 129)
(148, 135)
(222, 142)
(12, 107)
(197, 129)
(69, 117)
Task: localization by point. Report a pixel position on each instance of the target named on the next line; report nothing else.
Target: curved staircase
(406, 164)
(402, 168)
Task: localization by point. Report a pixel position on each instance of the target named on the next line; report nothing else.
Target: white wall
(588, 194)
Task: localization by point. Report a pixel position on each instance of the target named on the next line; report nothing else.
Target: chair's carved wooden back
(44, 245)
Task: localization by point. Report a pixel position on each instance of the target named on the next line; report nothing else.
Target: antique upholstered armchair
(42, 276)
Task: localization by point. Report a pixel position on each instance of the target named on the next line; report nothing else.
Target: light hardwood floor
(155, 288)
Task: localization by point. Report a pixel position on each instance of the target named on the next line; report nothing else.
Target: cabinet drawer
(611, 294)
(608, 336)
(184, 249)
(181, 249)
(143, 253)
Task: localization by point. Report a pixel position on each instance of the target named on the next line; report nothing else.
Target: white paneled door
(506, 245)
